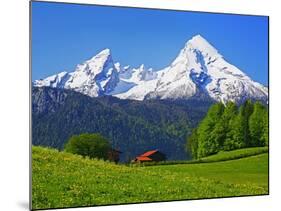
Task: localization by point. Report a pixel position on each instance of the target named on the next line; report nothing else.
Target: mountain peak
(197, 46)
(141, 67)
(105, 53)
(200, 43)
(198, 69)
(198, 37)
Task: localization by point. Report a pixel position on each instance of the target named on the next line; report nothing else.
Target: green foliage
(235, 137)
(234, 154)
(258, 125)
(227, 128)
(90, 145)
(207, 144)
(131, 126)
(245, 112)
(266, 127)
(63, 179)
(238, 135)
(220, 156)
(223, 124)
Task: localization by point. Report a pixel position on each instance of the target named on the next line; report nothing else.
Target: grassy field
(65, 180)
(235, 154)
(221, 156)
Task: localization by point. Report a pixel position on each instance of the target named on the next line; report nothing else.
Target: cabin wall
(158, 156)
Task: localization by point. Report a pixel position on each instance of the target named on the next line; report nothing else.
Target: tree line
(228, 127)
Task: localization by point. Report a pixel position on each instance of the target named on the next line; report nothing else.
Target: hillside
(65, 180)
(235, 154)
(131, 126)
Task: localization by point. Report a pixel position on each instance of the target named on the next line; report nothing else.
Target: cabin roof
(148, 153)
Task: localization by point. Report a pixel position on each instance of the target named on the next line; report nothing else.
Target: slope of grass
(220, 156)
(251, 170)
(64, 180)
(235, 154)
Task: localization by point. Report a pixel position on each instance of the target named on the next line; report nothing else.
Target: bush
(91, 145)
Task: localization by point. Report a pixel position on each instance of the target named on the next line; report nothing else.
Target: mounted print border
(138, 105)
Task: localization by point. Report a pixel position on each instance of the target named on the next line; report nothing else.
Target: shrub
(91, 145)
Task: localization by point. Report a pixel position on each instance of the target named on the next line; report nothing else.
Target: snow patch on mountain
(198, 68)
(94, 77)
(54, 80)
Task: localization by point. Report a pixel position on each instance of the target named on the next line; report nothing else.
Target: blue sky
(64, 35)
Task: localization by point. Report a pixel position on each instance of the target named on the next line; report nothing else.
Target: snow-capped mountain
(94, 77)
(198, 68)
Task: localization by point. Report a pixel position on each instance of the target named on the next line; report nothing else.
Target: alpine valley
(138, 109)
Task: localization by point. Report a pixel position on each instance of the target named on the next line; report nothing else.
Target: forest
(132, 127)
(228, 127)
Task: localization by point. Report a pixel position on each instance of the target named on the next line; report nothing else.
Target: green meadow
(61, 179)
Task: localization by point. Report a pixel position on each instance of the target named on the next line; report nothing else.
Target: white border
(14, 117)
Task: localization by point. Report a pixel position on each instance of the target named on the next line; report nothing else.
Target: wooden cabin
(149, 156)
(114, 155)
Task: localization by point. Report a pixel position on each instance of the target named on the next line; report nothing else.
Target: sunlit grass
(64, 180)
(235, 154)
